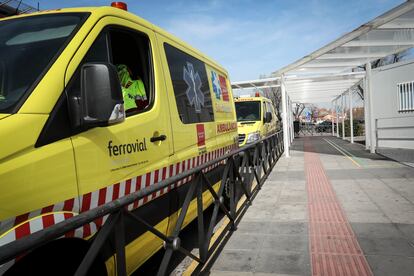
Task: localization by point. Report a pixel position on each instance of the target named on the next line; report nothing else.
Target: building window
(406, 96)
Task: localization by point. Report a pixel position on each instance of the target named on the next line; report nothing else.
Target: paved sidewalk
(375, 195)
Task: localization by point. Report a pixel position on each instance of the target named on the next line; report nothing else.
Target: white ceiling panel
(338, 66)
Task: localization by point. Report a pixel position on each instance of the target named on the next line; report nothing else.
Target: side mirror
(268, 117)
(102, 103)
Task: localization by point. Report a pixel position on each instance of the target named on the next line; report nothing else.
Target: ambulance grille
(241, 138)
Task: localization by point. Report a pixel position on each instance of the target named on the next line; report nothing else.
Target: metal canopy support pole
(284, 117)
(371, 108)
(292, 119)
(366, 116)
(332, 118)
(288, 119)
(290, 122)
(343, 115)
(337, 118)
(292, 136)
(351, 123)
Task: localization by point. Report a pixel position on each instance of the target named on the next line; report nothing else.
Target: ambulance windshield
(248, 111)
(28, 47)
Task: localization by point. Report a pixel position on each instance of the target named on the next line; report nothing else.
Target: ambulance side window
(264, 111)
(190, 84)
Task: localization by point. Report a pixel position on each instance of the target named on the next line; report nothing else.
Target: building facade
(393, 102)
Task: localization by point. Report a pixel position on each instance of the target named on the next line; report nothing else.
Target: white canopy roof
(336, 67)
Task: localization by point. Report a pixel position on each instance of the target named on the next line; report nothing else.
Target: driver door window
(124, 49)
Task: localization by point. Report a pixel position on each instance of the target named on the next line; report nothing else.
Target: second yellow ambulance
(256, 118)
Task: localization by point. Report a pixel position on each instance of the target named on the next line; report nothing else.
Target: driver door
(116, 160)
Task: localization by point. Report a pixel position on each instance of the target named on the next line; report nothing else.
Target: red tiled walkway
(334, 249)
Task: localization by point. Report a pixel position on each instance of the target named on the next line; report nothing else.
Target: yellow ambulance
(69, 144)
(256, 118)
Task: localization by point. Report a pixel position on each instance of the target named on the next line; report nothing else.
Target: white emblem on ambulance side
(194, 94)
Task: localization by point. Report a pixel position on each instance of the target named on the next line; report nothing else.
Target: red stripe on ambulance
(97, 198)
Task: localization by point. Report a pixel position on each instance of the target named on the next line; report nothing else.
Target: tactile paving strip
(333, 247)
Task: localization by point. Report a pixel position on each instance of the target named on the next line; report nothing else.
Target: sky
(250, 38)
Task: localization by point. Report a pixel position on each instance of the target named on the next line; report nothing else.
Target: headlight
(252, 137)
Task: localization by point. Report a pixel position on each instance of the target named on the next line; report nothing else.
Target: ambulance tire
(238, 192)
(59, 257)
(226, 195)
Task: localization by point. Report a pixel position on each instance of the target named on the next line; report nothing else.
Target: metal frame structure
(334, 69)
(243, 166)
(13, 7)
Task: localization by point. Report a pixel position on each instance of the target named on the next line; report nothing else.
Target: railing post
(174, 241)
(277, 145)
(232, 187)
(263, 157)
(120, 245)
(257, 165)
(200, 220)
(99, 240)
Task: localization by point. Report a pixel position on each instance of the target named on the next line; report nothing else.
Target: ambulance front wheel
(59, 257)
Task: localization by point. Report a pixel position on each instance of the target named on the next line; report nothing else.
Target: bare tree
(381, 62)
(360, 91)
(313, 109)
(390, 59)
(275, 95)
(297, 110)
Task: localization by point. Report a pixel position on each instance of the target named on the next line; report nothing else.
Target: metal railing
(17, 7)
(241, 168)
(311, 129)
